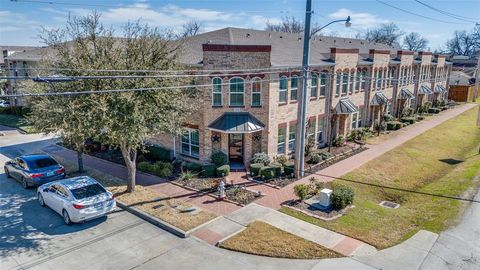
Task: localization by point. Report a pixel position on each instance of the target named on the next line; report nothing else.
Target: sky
(21, 20)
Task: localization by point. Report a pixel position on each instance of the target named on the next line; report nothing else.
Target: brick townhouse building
(254, 109)
(253, 80)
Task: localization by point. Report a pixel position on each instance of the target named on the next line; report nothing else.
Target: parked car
(4, 103)
(34, 170)
(77, 199)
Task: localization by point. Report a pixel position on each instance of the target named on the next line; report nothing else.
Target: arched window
(237, 91)
(256, 92)
(283, 89)
(216, 92)
(314, 86)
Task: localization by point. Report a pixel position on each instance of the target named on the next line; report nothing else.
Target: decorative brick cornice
(402, 52)
(440, 55)
(340, 50)
(424, 53)
(236, 48)
(374, 51)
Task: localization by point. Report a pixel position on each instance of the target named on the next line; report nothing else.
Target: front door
(235, 148)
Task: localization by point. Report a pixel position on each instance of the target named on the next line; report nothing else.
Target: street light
(302, 105)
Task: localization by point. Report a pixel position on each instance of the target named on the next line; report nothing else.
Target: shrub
(443, 108)
(208, 170)
(223, 170)
(342, 196)
(325, 155)
(277, 167)
(433, 110)
(255, 168)
(187, 175)
(394, 125)
(420, 117)
(282, 159)
(315, 186)
(388, 117)
(144, 166)
(301, 190)
(315, 158)
(155, 153)
(219, 158)
(338, 141)
(15, 110)
(268, 172)
(409, 120)
(407, 111)
(191, 166)
(159, 168)
(310, 146)
(358, 134)
(261, 158)
(289, 169)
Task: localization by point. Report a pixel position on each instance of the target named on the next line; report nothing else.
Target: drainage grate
(388, 204)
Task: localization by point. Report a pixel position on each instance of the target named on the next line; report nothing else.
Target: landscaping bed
(15, 121)
(260, 238)
(307, 209)
(424, 164)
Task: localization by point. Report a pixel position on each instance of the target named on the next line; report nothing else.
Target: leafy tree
(387, 33)
(122, 119)
(415, 42)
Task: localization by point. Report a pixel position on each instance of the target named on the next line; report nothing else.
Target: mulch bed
(201, 184)
(327, 163)
(317, 213)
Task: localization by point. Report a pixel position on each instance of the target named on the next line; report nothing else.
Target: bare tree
(464, 43)
(191, 28)
(387, 33)
(289, 24)
(414, 42)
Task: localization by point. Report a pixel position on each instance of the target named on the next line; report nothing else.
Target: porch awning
(406, 94)
(424, 90)
(379, 99)
(236, 122)
(345, 106)
(439, 89)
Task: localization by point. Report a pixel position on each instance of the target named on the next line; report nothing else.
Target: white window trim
(284, 140)
(345, 75)
(190, 144)
(283, 90)
(221, 91)
(254, 80)
(320, 85)
(292, 89)
(230, 88)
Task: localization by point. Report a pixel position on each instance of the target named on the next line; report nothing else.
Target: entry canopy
(379, 99)
(236, 122)
(439, 89)
(345, 106)
(424, 90)
(406, 94)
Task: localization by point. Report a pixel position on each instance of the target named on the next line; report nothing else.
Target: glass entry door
(235, 148)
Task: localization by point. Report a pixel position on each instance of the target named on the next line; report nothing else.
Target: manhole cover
(391, 205)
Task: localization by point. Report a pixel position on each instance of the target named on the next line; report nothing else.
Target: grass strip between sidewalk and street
(443, 160)
(260, 238)
(175, 212)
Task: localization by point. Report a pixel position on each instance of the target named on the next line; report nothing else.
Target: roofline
(236, 48)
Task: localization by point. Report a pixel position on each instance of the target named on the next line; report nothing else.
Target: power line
(416, 14)
(458, 17)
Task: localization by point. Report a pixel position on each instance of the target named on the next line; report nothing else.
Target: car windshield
(41, 163)
(87, 191)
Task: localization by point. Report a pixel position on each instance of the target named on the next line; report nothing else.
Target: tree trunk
(80, 159)
(333, 121)
(130, 157)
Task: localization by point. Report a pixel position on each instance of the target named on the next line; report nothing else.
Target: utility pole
(475, 92)
(302, 103)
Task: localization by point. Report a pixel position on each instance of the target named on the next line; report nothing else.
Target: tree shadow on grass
(451, 161)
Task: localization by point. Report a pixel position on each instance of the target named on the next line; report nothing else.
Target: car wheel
(24, 183)
(7, 173)
(40, 200)
(66, 217)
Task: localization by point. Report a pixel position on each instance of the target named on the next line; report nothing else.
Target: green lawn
(14, 122)
(415, 165)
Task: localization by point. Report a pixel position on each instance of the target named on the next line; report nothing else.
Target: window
(323, 83)
(320, 130)
(314, 86)
(344, 82)
(359, 118)
(364, 80)
(311, 130)
(291, 137)
(379, 79)
(337, 83)
(352, 81)
(385, 78)
(282, 132)
(191, 142)
(217, 92)
(237, 88)
(354, 120)
(283, 90)
(293, 88)
(86, 191)
(256, 92)
(358, 79)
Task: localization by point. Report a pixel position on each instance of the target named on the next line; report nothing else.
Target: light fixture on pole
(302, 103)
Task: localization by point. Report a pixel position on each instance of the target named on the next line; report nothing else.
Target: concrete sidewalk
(274, 198)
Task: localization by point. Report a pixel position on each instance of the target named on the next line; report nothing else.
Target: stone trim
(375, 51)
(404, 52)
(424, 53)
(340, 50)
(235, 48)
(282, 125)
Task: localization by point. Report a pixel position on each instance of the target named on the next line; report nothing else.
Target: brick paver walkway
(274, 199)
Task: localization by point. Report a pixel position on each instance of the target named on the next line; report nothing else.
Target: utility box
(325, 198)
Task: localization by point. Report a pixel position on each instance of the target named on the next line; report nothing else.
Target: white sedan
(76, 199)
